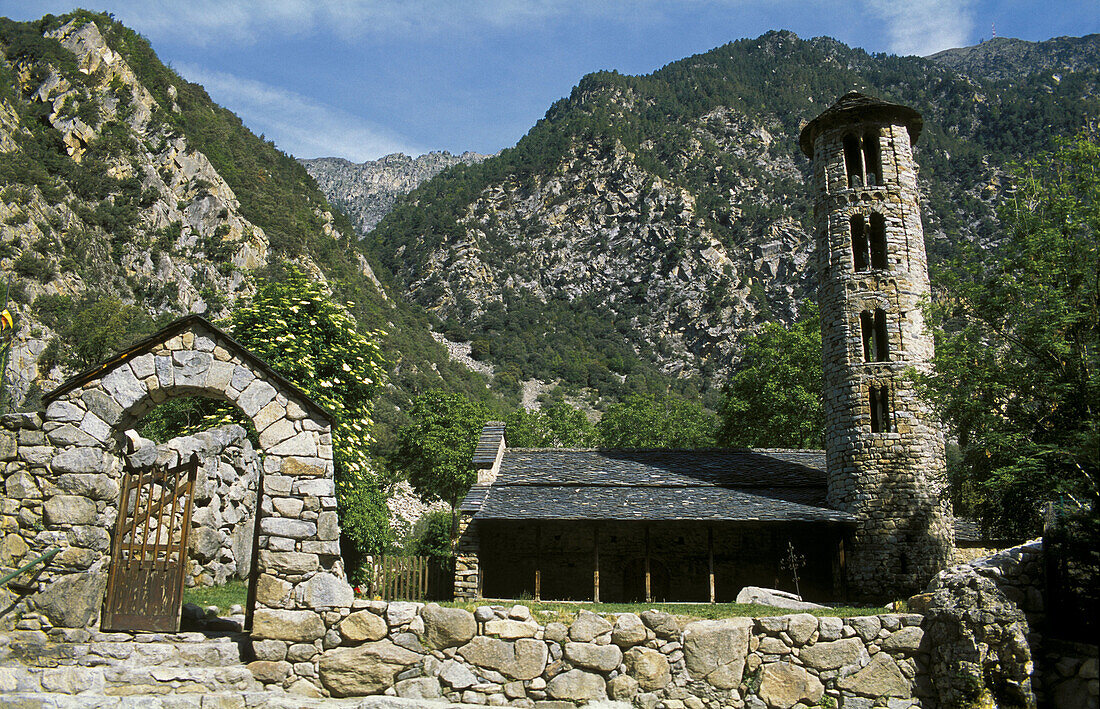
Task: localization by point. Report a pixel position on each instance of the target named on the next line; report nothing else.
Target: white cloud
(206, 22)
(924, 27)
(299, 125)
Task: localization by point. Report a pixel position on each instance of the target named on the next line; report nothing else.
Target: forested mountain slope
(128, 198)
(647, 223)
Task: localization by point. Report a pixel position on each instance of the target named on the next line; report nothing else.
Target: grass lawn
(565, 612)
(236, 592)
(232, 593)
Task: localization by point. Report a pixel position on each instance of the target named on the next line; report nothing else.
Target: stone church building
(868, 517)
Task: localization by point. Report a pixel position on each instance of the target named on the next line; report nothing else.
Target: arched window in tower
(860, 251)
(872, 327)
(867, 330)
(878, 241)
(853, 161)
(881, 420)
(872, 167)
(882, 342)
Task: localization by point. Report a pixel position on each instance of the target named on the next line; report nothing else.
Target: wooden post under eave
(648, 578)
(538, 559)
(710, 560)
(596, 565)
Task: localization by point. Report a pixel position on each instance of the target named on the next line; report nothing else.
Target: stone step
(224, 700)
(35, 650)
(125, 681)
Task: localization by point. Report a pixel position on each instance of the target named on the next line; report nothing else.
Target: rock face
(366, 191)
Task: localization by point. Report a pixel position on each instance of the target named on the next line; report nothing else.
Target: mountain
(366, 191)
(647, 224)
(1004, 58)
(128, 198)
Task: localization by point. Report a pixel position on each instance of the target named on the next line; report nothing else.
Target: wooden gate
(411, 578)
(145, 585)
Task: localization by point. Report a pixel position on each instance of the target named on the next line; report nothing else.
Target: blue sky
(362, 78)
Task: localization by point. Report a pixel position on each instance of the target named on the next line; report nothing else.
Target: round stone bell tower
(884, 446)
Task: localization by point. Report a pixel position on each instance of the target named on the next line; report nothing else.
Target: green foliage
(435, 450)
(187, 415)
(773, 399)
(556, 425)
(294, 326)
(433, 536)
(1018, 349)
(647, 421)
(29, 265)
(91, 329)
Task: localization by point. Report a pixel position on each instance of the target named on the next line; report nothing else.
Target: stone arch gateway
(298, 576)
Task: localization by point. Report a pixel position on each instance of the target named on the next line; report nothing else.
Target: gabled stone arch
(298, 573)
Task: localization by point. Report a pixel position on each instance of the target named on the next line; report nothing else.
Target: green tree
(556, 425)
(436, 449)
(294, 326)
(773, 399)
(1018, 348)
(649, 421)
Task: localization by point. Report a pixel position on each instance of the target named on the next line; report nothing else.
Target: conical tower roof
(854, 107)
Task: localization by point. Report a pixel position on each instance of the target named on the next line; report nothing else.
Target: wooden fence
(410, 578)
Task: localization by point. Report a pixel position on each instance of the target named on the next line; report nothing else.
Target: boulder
(577, 686)
(834, 655)
(457, 675)
(907, 640)
(363, 626)
(91, 485)
(602, 658)
(204, 543)
(801, 627)
(881, 678)
(419, 688)
(401, 613)
(74, 600)
(370, 668)
(294, 626)
(782, 685)
(775, 598)
(622, 688)
(662, 624)
(649, 667)
(511, 629)
(629, 630)
(715, 650)
(446, 627)
(325, 591)
(69, 510)
(523, 659)
(587, 627)
(269, 672)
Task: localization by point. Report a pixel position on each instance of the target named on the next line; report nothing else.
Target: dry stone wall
(61, 471)
(224, 518)
(501, 656)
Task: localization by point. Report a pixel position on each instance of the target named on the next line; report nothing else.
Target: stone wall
(1063, 673)
(224, 518)
(503, 656)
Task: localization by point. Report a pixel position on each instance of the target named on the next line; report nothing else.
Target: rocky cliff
(648, 223)
(128, 198)
(366, 191)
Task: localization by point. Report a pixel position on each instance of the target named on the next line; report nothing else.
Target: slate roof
(655, 485)
(854, 106)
